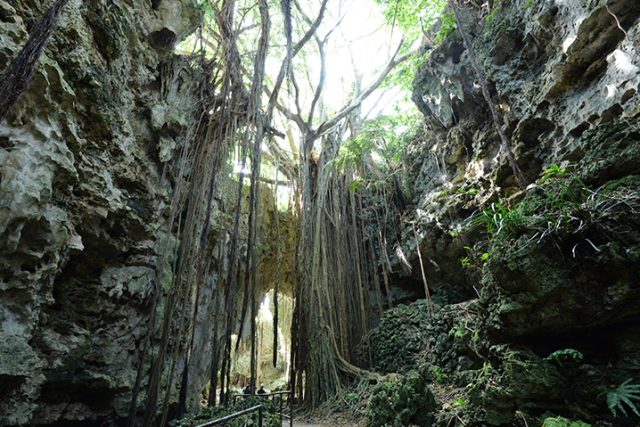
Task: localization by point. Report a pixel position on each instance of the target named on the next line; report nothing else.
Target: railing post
(281, 413)
(291, 394)
(260, 417)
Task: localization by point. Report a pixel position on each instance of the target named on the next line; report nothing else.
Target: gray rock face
(554, 69)
(83, 203)
(554, 265)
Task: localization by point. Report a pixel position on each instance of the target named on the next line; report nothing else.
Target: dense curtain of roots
(337, 268)
(229, 121)
(337, 248)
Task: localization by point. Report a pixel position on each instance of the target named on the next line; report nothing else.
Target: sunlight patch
(622, 62)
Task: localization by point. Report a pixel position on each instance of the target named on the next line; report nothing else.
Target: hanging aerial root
(16, 78)
(351, 370)
(497, 120)
(373, 377)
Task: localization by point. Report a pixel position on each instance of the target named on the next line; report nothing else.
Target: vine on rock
(16, 78)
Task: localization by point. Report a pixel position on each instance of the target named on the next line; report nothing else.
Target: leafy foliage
(554, 172)
(492, 15)
(563, 206)
(447, 27)
(376, 152)
(415, 17)
(625, 393)
(498, 219)
(566, 355)
(458, 403)
(408, 401)
(438, 374)
(411, 15)
(563, 422)
(203, 5)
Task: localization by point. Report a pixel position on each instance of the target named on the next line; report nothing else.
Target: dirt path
(297, 423)
(323, 423)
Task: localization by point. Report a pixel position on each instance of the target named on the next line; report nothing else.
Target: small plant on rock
(447, 27)
(554, 172)
(353, 397)
(625, 393)
(497, 219)
(438, 374)
(568, 355)
(469, 191)
(458, 403)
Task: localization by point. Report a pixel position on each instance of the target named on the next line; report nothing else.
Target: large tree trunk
(331, 301)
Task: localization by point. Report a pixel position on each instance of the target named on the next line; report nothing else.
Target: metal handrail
(236, 415)
(275, 393)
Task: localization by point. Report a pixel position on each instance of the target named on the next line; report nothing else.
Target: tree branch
(320, 86)
(393, 62)
(313, 28)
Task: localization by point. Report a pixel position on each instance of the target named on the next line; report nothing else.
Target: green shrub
(568, 355)
(408, 401)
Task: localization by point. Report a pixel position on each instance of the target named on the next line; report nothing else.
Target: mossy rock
(517, 380)
(408, 401)
(409, 339)
(565, 278)
(612, 151)
(109, 28)
(394, 345)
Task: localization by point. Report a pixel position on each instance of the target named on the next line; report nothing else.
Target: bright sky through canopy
(363, 44)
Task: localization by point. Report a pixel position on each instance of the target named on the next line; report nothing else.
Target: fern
(625, 393)
(563, 422)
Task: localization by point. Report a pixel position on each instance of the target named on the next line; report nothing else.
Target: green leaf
(624, 393)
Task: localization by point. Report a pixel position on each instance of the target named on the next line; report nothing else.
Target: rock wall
(550, 328)
(87, 171)
(554, 69)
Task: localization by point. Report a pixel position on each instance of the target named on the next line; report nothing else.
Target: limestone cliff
(555, 69)
(537, 299)
(86, 178)
(112, 262)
